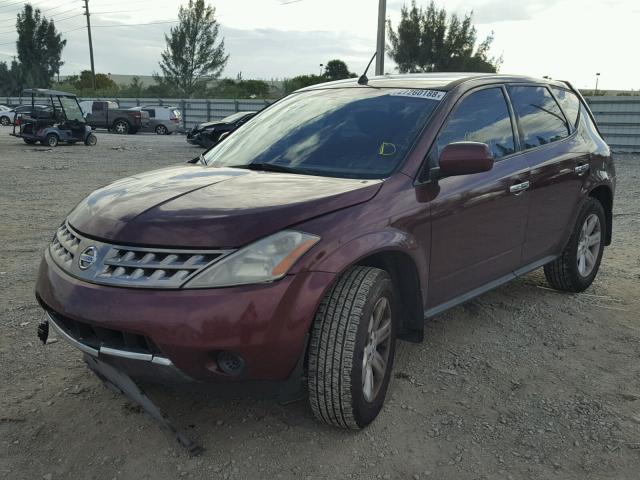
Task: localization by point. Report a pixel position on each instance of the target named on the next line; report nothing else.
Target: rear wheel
(52, 140)
(4, 121)
(121, 127)
(576, 268)
(162, 130)
(352, 349)
(29, 141)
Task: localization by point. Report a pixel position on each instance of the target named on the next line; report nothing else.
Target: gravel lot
(523, 382)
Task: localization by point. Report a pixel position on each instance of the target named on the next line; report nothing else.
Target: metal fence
(618, 117)
(619, 121)
(193, 110)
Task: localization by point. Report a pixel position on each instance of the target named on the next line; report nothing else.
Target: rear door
(479, 220)
(558, 162)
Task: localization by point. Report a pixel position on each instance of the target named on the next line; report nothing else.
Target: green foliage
(193, 55)
(228, 88)
(337, 70)
(432, 41)
(39, 48)
(301, 81)
(10, 79)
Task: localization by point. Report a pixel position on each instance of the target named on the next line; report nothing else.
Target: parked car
(163, 119)
(331, 225)
(109, 115)
(208, 134)
(8, 117)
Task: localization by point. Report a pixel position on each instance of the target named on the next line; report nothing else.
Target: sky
(274, 39)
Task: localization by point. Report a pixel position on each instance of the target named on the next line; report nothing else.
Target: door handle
(580, 169)
(518, 188)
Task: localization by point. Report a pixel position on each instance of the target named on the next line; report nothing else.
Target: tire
(91, 140)
(4, 121)
(575, 269)
(162, 130)
(29, 141)
(52, 140)
(121, 127)
(340, 339)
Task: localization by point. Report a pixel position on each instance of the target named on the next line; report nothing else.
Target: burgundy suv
(330, 225)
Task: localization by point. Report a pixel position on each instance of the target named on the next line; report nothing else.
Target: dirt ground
(521, 383)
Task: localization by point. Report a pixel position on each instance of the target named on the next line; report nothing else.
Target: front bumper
(265, 324)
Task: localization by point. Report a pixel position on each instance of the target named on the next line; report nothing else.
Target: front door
(478, 221)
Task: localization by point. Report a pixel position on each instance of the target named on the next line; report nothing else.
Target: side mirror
(464, 158)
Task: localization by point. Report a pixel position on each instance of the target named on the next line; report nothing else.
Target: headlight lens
(266, 260)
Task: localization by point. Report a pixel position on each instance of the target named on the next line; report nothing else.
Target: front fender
(338, 255)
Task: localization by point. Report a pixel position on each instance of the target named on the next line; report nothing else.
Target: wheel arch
(604, 195)
(404, 274)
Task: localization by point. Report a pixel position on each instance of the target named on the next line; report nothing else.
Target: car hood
(198, 206)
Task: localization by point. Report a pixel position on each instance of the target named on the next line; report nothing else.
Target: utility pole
(597, 78)
(382, 17)
(93, 69)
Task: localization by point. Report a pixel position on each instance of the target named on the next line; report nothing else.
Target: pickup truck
(109, 115)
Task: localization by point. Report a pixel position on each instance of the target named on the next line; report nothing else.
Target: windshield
(350, 132)
(71, 109)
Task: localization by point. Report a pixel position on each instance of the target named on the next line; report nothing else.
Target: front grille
(64, 246)
(128, 266)
(152, 266)
(97, 337)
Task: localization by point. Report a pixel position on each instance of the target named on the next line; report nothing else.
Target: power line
(33, 4)
(134, 24)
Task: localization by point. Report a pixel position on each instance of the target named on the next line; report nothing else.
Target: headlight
(266, 260)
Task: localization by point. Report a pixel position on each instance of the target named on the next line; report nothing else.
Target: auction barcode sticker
(418, 93)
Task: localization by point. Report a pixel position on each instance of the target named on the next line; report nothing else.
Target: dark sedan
(208, 134)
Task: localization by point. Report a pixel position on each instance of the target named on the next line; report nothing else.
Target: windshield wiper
(271, 167)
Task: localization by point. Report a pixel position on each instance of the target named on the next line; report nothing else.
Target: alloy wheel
(589, 244)
(161, 130)
(376, 351)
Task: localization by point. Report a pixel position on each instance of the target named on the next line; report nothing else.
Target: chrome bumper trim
(143, 357)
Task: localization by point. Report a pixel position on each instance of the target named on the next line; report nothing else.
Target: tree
(228, 88)
(430, 40)
(337, 70)
(10, 79)
(85, 81)
(193, 55)
(39, 48)
(301, 81)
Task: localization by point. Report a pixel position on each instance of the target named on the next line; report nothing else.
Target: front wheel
(91, 140)
(352, 348)
(576, 268)
(4, 121)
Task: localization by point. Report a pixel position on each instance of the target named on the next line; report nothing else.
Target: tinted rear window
(540, 117)
(569, 102)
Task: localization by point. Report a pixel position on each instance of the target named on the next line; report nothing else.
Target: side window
(483, 117)
(150, 111)
(540, 118)
(569, 103)
(98, 107)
